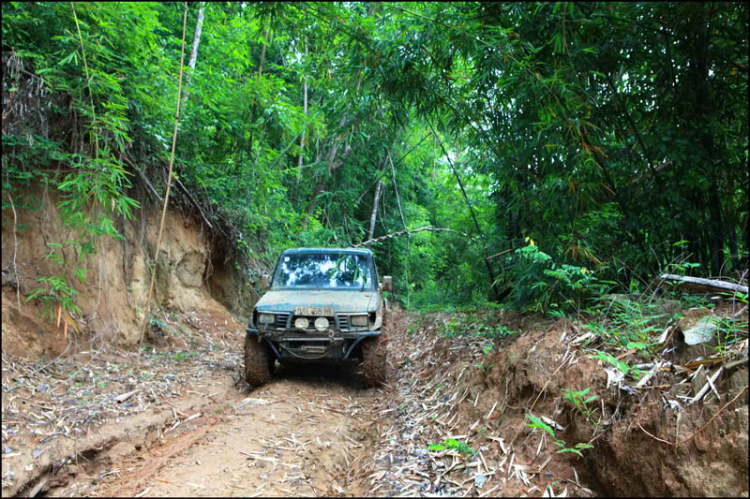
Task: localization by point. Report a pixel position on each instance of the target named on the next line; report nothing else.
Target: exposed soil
(192, 273)
(63, 416)
(320, 431)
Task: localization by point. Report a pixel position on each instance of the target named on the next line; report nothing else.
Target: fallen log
(707, 285)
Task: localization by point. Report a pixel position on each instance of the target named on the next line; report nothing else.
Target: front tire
(373, 361)
(258, 361)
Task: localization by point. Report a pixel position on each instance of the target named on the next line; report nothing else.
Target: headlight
(321, 323)
(301, 323)
(359, 320)
(266, 318)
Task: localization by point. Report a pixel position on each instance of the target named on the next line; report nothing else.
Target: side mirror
(386, 286)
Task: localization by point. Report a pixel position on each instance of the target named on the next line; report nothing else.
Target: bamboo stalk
(169, 180)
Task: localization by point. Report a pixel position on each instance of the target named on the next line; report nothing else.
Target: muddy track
(292, 436)
(310, 432)
(296, 435)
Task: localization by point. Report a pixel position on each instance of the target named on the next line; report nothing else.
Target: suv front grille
(343, 322)
(281, 321)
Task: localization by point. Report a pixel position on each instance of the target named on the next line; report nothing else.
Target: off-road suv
(323, 305)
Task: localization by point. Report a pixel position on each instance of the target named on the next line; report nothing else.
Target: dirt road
(295, 436)
(318, 431)
(310, 432)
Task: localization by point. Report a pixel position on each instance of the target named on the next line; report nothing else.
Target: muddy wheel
(258, 361)
(373, 361)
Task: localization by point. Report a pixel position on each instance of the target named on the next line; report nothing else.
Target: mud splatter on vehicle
(324, 305)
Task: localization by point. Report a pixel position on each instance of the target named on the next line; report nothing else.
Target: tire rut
(295, 435)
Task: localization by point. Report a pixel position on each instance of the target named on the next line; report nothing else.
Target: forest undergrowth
(611, 401)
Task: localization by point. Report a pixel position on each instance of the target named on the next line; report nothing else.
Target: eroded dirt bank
(194, 273)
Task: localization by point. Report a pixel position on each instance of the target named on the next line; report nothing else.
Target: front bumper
(331, 346)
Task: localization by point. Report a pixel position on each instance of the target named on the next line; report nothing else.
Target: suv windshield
(323, 270)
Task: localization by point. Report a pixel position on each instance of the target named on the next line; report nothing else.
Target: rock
(251, 401)
(692, 317)
(702, 332)
(696, 335)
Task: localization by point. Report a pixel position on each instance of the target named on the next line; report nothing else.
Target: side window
(272, 279)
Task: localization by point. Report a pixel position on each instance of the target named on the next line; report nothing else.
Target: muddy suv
(323, 305)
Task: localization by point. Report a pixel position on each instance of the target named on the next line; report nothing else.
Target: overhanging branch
(410, 231)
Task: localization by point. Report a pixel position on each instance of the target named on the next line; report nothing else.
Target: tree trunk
(263, 53)
(490, 273)
(716, 241)
(302, 140)
(378, 188)
(703, 103)
(194, 53)
(410, 231)
(332, 165)
(403, 222)
(395, 188)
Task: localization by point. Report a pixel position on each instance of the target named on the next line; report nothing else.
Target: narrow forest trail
(294, 436)
(311, 432)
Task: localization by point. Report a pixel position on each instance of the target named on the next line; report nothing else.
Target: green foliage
(469, 324)
(538, 423)
(629, 322)
(729, 330)
(55, 291)
(450, 443)
(580, 126)
(576, 449)
(540, 284)
(623, 367)
(581, 402)
(483, 367)
(94, 190)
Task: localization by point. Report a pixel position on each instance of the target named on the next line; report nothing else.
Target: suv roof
(361, 251)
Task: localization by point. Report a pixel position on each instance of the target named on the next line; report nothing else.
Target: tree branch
(410, 231)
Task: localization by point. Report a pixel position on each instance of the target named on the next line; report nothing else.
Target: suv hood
(341, 301)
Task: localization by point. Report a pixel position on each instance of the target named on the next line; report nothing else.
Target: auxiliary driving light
(301, 323)
(321, 323)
